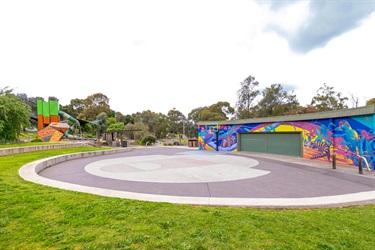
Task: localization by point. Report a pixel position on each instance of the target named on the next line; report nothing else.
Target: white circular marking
(177, 168)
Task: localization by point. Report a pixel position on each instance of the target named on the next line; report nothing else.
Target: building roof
(366, 110)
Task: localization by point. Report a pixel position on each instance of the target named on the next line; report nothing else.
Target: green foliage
(143, 130)
(102, 118)
(216, 112)
(116, 126)
(157, 123)
(246, 96)
(276, 101)
(93, 105)
(105, 143)
(219, 111)
(327, 99)
(148, 140)
(37, 140)
(14, 116)
(110, 121)
(75, 107)
(175, 120)
(371, 102)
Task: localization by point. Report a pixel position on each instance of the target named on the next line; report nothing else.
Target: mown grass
(38, 217)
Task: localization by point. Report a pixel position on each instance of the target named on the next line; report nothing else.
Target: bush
(148, 140)
(91, 136)
(37, 140)
(105, 143)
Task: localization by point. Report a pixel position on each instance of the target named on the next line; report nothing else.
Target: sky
(163, 54)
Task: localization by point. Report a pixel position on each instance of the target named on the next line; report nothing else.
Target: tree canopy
(327, 99)
(251, 103)
(276, 101)
(246, 96)
(14, 115)
(371, 102)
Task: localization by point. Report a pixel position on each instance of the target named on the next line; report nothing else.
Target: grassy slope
(38, 217)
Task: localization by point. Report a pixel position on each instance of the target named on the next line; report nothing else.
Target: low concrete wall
(21, 150)
(48, 162)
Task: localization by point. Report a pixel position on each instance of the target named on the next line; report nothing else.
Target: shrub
(148, 140)
(37, 140)
(105, 143)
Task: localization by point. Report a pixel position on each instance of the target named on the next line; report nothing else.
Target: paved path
(182, 175)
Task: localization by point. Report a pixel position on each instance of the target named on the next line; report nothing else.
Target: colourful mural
(347, 138)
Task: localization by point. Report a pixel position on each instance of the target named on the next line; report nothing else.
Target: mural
(347, 138)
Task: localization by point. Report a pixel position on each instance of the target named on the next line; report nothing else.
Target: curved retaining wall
(48, 162)
(21, 150)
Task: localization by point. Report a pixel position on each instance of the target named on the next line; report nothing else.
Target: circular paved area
(209, 178)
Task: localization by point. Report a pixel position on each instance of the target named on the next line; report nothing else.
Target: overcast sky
(162, 54)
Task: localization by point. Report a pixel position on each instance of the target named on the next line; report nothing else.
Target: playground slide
(68, 117)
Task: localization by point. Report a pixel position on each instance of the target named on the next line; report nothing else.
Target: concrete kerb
(27, 149)
(30, 172)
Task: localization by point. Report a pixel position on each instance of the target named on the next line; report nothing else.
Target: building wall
(346, 137)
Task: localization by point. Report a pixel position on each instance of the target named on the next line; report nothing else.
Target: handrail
(367, 165)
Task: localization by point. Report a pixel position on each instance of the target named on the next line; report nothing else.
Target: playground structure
(50, 127)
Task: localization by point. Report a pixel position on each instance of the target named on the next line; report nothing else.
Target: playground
(188, 176)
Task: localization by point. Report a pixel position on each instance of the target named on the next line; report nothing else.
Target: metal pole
(360, 169)
(333, 161)
(217, 140)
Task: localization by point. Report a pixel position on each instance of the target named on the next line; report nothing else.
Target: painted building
(348, 134)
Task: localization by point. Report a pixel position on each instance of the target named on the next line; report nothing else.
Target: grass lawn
(38, 217)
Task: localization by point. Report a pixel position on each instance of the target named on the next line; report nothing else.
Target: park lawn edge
(39, 217)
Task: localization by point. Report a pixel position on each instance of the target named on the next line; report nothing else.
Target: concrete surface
(186, 175)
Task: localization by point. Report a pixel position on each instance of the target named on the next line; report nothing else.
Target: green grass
(38, 217)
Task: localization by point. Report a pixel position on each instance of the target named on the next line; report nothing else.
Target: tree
(176, 121)
(327, 99)
(276, 101)
(219, 111)
(303, 110)
(354, 100)
(370, 102)
(14, 115)
(102, 119)
(110, 121)
(116, 125)
(94, 105)
(75, 108)
(245, 98)
(193, 117)
(31, 101)
(149, 118)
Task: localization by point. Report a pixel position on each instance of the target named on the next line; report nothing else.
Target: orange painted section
(40, 122)
(62, 127)
(46, 120)
(55, 118)
(46, 133)
(56, 136)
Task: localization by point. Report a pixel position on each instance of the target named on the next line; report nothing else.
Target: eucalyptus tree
(276, 101)
(176, 121)
(370, 102)
(151, 119)
(327, 99)
(217, 112)
(94, 105)
(246, 96)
